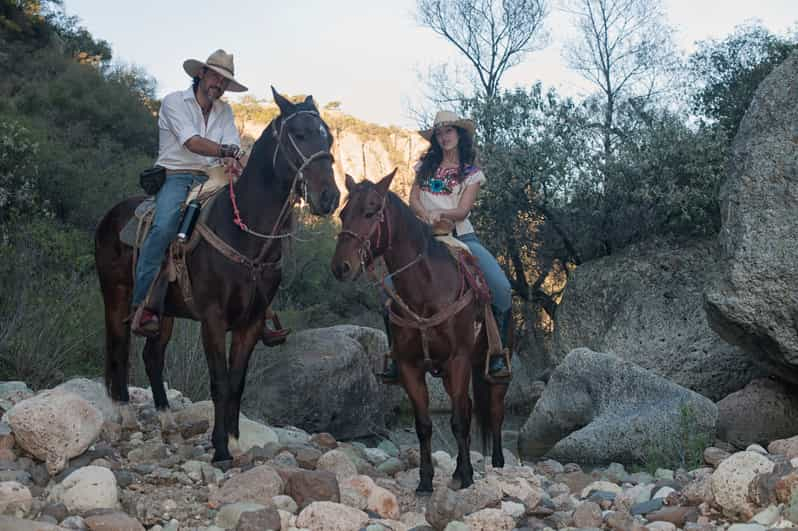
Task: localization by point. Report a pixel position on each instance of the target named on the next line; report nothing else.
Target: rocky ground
(91, 467)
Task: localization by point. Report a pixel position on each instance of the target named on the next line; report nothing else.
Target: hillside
(361, 149)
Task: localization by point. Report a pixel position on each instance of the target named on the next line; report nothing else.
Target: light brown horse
(231, 292)
(429, 283)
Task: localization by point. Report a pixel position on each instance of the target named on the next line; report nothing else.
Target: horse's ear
(311, 101)
(385, 183)
(285, 106)
(350, 182)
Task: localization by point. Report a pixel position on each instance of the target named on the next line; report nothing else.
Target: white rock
(489, 520)
(662, 493)
(383, 502)
(513, 509)
(329, 516)
(86, 489)
(254, 434)
(756, 448)
(285, 503)
(337, 462)
(733, 476)
(766, 517)
(604, 486)
(15, 498)
(55, 426)
(661, 526)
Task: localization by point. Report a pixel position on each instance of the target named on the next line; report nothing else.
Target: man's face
(212, 83)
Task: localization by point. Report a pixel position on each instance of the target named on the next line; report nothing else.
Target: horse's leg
(456, 381)
(154, 359)
(244, 340)
(117, 340)
(213, 336)
(415, 385)
(497, 393)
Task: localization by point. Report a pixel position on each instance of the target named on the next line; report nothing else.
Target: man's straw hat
(220, 62)
(444, 118)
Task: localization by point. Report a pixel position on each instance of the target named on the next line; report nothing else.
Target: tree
(492, 35)
(728, 72)
(623, 47)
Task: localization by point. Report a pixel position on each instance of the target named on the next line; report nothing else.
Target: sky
(367, 54)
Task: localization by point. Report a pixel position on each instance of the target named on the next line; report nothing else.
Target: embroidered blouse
(443, 191)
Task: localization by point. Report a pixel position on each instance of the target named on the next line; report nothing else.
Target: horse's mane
(420, 230)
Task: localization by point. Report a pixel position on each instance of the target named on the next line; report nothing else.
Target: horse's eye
(369, 215)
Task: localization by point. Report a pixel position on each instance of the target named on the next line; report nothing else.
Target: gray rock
(322, 380)
(644, 305)
(647, 507)
(752, 303)
(598, 408)
(764, 411)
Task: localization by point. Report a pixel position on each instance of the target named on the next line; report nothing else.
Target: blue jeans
(497, 281)
(500, 289)
(168, 203)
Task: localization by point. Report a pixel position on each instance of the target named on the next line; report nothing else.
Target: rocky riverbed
(135, 469)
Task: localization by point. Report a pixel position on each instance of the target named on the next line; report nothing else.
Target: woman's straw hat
(220, 62)
(444, 118)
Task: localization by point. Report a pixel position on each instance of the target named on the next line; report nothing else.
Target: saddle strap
(423, 324)
(231, 254)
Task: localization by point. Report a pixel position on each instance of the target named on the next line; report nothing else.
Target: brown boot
(271, 337)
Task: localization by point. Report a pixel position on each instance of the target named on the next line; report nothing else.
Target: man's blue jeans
(500, 289)
(168, 204)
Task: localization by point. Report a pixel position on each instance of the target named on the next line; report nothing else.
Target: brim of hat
(193, 66)
(467, 125)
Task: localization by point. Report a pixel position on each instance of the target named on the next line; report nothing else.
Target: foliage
(727, 72)
(19, 194)
(685, 450)
(50, 308)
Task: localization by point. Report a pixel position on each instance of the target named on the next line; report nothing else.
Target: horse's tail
(481, 389)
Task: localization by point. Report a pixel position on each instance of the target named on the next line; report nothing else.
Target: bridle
(365, 250)
(299, 176)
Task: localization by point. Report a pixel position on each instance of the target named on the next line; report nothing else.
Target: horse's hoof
(424, 491)
(223, 464)
(455, 483)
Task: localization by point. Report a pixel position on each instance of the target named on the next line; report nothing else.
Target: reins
(258, 265)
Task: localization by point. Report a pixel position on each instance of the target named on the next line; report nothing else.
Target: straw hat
(444, 118)
(220, 62)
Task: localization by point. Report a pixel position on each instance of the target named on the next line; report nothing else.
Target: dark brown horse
(291, 159)
(429, 283)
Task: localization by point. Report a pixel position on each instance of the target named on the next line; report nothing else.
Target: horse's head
(303, 153)
(364, 229)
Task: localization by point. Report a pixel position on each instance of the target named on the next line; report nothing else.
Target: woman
(446, 186)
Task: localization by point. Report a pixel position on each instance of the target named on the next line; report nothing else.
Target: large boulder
(598, 408)
(55, 426)
(765, 410)
(322, 380)
(753, 302)
(644, 305)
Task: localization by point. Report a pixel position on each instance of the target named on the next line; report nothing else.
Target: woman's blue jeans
(168, 203)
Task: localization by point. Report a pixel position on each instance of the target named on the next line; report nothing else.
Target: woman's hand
(433, 216)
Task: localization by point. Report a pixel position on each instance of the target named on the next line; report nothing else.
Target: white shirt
(443, 192)
(180, 118)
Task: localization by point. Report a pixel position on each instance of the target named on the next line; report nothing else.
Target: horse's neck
(259, 198)
(429, 279)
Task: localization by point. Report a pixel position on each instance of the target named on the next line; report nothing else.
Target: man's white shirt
(181, 118)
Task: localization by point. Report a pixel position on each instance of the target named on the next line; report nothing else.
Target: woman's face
(447, 137)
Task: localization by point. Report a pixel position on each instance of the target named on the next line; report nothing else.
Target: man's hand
(229, 150)
(232, 167)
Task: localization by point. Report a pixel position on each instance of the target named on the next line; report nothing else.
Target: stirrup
(273, 337)
(150, 330)
(503, 378)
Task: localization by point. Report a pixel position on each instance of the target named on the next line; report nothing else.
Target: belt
(196, 173)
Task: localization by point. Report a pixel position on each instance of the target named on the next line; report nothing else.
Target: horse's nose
(329, 200)
(342, 270)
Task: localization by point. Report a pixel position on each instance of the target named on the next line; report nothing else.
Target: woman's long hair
(432, 158)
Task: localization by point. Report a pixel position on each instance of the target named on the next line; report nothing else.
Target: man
(194, 129)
